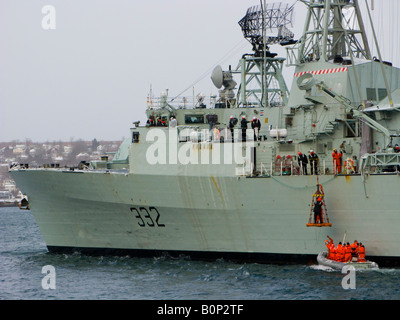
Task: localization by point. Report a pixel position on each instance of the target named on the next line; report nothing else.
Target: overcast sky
(90, 77)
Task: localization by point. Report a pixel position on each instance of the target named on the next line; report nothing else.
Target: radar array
(262, 82)
(274, 18)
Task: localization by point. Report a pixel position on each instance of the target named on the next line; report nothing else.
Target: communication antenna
(265, 25)
(268, 24)
(224, 79)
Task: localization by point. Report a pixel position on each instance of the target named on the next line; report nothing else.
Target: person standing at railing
(303, 162)
(232, 122)
(243, 126)
(256, 126)
(150, 122)
(173, 123)
(314, 160)
(337, 161)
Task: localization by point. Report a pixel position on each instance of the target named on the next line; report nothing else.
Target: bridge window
(193, 119)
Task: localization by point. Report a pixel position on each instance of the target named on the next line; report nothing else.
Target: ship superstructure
(196, 179)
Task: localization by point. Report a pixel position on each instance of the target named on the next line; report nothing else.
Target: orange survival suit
(337, 161)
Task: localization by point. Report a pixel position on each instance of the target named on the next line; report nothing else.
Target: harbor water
(24, 259)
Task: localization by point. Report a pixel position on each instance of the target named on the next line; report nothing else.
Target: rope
(301, 188)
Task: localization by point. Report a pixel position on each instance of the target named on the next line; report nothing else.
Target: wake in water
(322, 268)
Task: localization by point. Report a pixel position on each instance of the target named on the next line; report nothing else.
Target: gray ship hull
(181, 184)
(254, 219)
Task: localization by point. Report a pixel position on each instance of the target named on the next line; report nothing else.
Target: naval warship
(194, 181)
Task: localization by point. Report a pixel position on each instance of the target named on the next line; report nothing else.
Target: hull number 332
(147, 217)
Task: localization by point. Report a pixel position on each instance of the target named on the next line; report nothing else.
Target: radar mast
(262, 82)
(333, 29)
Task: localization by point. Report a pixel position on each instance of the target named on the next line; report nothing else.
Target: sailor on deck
(256, 126)
(303, 162)
(313, 158)
(337, 161)
(243, 126)
(232, 122)
(172, 122)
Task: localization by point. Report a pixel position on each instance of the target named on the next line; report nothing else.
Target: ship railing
(265, 170)
(291, 168)
(180, 103)
(246, 170)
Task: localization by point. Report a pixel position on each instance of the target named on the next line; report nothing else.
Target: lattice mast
(263, 26)
(333, 29)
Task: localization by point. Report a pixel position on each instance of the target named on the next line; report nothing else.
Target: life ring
(349, 165)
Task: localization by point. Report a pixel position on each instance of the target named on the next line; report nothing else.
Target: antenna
(265, 25)
(380, 58)
(224, 78)
(217, 77)
(273, 18)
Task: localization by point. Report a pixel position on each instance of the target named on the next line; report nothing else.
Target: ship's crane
(349, 108)
(307, 81)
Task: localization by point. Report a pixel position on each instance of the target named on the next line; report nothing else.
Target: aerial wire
(380, 57)
(237, 48)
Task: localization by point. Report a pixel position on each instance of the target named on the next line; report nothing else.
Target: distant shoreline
(6, 204)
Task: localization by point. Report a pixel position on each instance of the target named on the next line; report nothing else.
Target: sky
(91, 75)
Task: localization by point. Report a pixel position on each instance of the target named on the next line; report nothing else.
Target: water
(78, 277)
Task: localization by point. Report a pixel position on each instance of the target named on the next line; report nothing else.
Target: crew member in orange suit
(361, 254)
(340, 252)
(329, 245)
(347, 255)
(354, 249)
(333, 252)
(337, 161)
